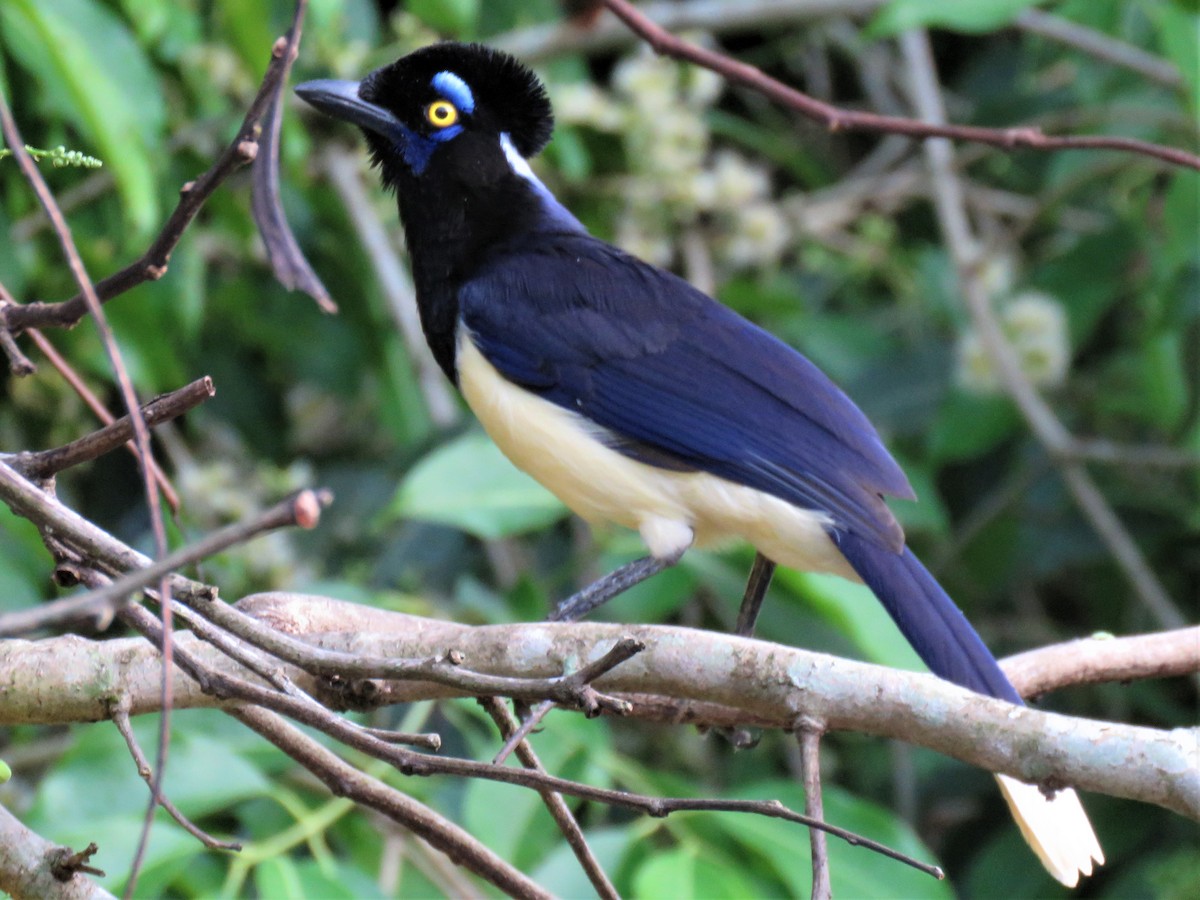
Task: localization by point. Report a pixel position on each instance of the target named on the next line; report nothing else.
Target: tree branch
(26, 863)
(837, 119)
(763, 682)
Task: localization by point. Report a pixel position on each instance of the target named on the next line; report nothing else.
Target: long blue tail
(935, 627)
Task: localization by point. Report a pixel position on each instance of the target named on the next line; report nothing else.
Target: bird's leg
(756, 589)
(604, 589)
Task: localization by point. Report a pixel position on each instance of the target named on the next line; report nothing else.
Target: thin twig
(572, 690)
(1105, 658)
(409, 762)
(538, 42)
(300, 509)
(808, 733)
(431, 742)
(837, 119)
(19, 364)
(1141, 456)
(1144, 764)
(523, 731)
(43, 464)
(120, 718)
(566, 822)
(79, 386)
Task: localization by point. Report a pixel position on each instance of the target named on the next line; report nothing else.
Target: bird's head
(449, 112)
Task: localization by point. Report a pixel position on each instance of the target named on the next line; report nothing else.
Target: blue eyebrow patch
(455, 90)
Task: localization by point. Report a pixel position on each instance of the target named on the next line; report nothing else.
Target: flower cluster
(1035, 326)
(677, 178)
(60, 157)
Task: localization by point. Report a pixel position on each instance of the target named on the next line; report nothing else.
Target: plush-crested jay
(632, 395)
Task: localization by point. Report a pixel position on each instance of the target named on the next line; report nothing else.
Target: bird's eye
(441, 114)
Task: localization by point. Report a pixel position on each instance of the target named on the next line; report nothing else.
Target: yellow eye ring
(441, 114)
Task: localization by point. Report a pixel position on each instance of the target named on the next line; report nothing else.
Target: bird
(633, 396)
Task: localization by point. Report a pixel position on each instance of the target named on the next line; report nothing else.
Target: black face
(447, 106)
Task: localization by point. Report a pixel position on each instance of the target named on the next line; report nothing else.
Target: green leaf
(973, 16)
(687, 874)
(969, 425)
(92, 73)
(1165, 381)
(469, 484)
(23, 562)
(458, 18)
(277, 878)
(1179, 35)
(561, 874)
(1181, 218)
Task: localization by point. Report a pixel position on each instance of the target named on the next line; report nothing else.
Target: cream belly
(671, 510)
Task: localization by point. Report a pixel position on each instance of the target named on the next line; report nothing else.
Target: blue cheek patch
(455, 90)
(415, 148)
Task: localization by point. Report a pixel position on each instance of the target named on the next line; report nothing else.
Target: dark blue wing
(676, 376)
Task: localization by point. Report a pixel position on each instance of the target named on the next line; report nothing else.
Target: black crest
(508, 96)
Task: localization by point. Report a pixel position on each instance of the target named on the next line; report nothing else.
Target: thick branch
(765, 682)
(1096, 660)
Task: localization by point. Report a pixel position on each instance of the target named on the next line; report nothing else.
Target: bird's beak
(340, 99)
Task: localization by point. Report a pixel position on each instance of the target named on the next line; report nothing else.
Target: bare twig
(566, 822)
(300, 509)
(37, 466)
(1147, 456)
(539, 42)
(72, 378)
(27, 862)
(424, 741)
(837, 119)
(523, 730)
(18, 363)
(808, 732)
(763, 686)
(120, 718)
(409, 762)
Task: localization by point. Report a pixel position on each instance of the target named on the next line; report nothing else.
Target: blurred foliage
(1093, 268)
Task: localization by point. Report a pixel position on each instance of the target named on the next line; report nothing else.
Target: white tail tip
(1057, 829)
